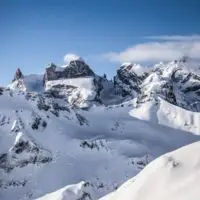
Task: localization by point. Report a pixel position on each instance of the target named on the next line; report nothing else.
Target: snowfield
(72, 192)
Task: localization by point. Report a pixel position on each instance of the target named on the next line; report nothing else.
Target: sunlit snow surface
(174, 176)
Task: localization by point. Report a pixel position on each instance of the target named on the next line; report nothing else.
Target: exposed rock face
(127, 81)
(24, 152)
(1, 90)
(51, 73)
(188, 85)
(75, 69)
(173, 82)
(78, 68)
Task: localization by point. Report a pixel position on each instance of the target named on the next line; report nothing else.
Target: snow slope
(103, 146)
(174, 176)
(136, 68)
(164, 113)
(72, 192)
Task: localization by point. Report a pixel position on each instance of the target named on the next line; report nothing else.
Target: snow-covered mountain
(70, 128)
(129, 78)
(177, 82)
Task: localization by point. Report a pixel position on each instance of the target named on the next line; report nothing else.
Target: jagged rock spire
(18, 75)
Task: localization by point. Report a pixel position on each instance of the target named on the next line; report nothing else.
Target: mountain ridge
(89, 130)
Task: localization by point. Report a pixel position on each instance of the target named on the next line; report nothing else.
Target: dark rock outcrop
(18, 75)
(126, 81)
(24, 152)
(75, 69)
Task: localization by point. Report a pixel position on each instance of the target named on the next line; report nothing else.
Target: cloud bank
(168, 48)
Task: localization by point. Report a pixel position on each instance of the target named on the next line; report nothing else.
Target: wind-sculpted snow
(163, 113)
(174, 176)
(80, 191)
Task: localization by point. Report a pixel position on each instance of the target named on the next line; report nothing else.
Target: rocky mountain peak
(18, 75)
(126, 80)
(75, 69)
(78, 68)
(127, 66)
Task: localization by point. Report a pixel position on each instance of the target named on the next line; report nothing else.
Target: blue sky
(105, 32)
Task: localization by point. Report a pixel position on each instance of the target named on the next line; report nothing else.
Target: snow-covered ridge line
(164, 113)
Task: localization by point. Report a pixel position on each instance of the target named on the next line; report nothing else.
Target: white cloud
(174, 37)
(156, 51)
(70, 57)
